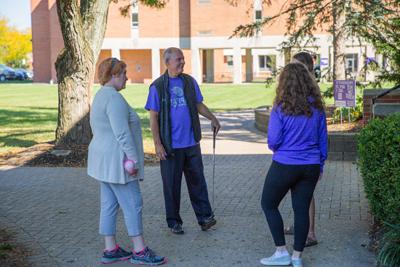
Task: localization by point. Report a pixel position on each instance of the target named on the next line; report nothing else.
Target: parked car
(6, 73)
(21, 74)
(30, 75)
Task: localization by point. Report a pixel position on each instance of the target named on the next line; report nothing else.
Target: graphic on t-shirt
(177, 97)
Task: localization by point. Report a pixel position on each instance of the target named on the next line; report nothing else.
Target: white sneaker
(274, 260)
(297, 263)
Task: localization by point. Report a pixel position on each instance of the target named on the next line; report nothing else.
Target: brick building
(201, 28)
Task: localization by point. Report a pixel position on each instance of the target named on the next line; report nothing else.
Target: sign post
(344, 95)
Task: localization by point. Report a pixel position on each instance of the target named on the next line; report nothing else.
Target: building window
(229, 61)
(267, 62)
(258, 15)
(351, 61)
(135, 19)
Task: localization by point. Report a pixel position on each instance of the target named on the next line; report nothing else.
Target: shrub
(356, 112)
(389, 253)
(379, 160)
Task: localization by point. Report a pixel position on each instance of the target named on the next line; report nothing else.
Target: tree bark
(83, 26)
(339, 40)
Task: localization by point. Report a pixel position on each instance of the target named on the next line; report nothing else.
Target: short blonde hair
(109, 67)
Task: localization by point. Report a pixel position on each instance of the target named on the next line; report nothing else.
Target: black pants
(301, 180)
(189, 161)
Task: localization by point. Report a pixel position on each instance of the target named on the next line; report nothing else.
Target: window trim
(266, 68)
(258, 12)
(136, 25)
(354, 57)
(227, 61)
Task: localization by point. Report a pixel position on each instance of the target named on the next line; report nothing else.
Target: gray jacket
(116, 136)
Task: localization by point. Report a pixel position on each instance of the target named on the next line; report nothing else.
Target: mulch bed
(11, 253)
(376, 233)
(345, 127)
(45, 155)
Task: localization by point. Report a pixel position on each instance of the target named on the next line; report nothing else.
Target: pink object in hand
(129, 165)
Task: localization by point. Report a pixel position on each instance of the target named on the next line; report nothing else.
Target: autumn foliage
(15, 45)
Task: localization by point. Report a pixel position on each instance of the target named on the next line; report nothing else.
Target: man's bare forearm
(203, 110)
(155, 130)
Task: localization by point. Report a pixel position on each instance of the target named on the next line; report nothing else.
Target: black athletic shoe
(208, 223)
(117, 254)
(177, 229)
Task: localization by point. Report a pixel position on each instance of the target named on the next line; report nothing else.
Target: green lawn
(28, 112)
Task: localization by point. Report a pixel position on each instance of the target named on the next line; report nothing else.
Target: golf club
(213, 170)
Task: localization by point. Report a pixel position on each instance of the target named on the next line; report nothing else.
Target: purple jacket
(298, 140)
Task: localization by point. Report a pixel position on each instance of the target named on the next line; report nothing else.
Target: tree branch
(151, 3)
(249, 30)
(94, 15)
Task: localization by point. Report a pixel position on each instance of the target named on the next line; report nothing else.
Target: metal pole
(349, 109)
(341, 119)
(213, 171)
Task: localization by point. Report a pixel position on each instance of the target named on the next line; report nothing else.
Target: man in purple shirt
(175, 102)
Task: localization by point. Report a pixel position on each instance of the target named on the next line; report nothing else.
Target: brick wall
(162, 22)
(56, 41)
(222, 72)
(104, 54)
(118, 26)
(179, 19)
(40, 41)
(139, 65)
(393, 97)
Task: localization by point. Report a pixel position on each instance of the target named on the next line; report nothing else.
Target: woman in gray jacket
(116, 160)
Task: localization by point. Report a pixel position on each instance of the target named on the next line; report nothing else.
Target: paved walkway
(54, 211)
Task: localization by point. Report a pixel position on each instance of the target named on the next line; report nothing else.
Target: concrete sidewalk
(54, 211)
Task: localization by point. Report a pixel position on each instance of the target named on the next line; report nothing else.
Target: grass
(28, 112)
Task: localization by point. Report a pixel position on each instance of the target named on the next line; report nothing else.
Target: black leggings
(301, 180)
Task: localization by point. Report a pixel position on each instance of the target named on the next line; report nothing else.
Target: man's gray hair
(169, 52)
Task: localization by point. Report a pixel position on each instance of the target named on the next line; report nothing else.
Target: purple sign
(344, 93)
(324, 61)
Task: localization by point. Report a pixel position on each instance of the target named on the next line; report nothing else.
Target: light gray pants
(128, 196)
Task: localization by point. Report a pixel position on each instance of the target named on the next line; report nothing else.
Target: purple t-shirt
(181, 123)
(299, 139)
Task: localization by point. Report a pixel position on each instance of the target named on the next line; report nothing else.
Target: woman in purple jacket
(297, 135)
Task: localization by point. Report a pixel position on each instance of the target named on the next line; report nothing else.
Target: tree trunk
(339, 40)
(83, 26)
(74, 87)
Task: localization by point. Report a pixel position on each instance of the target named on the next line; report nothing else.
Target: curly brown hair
(297, 91)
